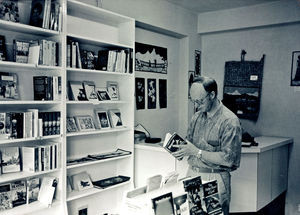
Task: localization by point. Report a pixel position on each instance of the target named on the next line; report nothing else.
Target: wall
(279, 113)
(159, 121)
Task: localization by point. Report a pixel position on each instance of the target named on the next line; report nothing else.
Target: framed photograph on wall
(113, 90)
(102, 119)
(197, 63)
(295, 70)
(162, 86)
(151, 93)
(85, 123)
(140, 93)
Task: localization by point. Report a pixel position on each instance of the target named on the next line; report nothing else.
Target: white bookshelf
(100, 30)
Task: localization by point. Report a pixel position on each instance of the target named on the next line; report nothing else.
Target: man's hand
(185, 150)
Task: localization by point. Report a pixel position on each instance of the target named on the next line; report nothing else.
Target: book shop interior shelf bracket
(67, 106)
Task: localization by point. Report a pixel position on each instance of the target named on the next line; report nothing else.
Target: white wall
(280, 103)
(159, 121)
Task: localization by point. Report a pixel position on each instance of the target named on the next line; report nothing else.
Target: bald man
(213, 139)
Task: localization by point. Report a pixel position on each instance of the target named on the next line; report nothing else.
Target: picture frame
(71, 125)
(83, 210)
(102, 94)
(3, 56)
(102, 119)
(90, 90)
(197, 63)
(295, 69)
(77, 91)
(115, 118)
(85, 123)
(113, 90)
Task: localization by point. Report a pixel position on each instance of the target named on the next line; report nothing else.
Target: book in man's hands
(172, 140)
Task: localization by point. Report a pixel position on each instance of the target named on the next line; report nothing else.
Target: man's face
(200, 97)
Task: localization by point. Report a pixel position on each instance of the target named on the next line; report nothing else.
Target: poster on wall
(197, 63)
(151, 93)
(140, 93)
(150, 58)
(295, 73)
(162, 93)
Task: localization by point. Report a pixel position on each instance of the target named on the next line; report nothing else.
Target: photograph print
(151, 93)
(140, 93)
(162, 85)
(102, 118)
(77, 91)
(90, 90)
(295, 76)
(85, 123)
(115, 118)
(150, 58)
(102, 94)
(113, 90)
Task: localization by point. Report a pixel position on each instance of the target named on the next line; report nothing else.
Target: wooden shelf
(98, 131)
(88, 163)
(6, 177)
(91, 191)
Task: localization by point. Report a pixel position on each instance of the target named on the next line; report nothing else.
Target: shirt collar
(210, 114)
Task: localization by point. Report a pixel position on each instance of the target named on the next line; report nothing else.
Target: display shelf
(20, 175)
(91, 191)
(93, 71)
(96, 103)
(8, 141)
(29, 102)
(98, 131)
(97, 161)
(28, 29)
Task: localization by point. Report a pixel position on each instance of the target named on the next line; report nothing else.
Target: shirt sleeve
(230, 150)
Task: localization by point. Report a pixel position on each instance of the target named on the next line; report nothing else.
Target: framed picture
(85, 123)
(162, 86)
(113, 90)
(115, 118)
(140, 93)
(103, 119)
(83, 210)
(151, 93)
(77, 91)
(90, 90)
(71, 125)
(3, 56)
(295, 72)
(102, 94)
(150, 58)
(197, 63)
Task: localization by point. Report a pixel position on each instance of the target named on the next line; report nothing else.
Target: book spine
(40, 87)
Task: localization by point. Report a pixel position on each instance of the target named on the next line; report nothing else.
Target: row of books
(23, 192)
(40, 157)
(30, 123)
(106, 119)
(106, 60)
(47, 88)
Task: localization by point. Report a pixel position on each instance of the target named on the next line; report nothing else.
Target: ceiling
(200, 6)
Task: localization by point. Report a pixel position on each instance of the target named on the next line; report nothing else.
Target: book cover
(193, 187)
(181, 204)
(9, 10)
(115, 118)
(171, 140)
(33, 188)
(102, 60)
(3, 56)
(163, 205)
(71, 124)
(18, 193)
(77, 92)
(82, 181)
(10, 159)
(90, 90)
(3, 134)
(37, 13)
(30, 158)
(17, 124)
(47, 190)
(5, 197)
(211, 201)
(34, 52)
(8, 86)
(21, 51)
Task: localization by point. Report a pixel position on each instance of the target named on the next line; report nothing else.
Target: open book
(171, 140)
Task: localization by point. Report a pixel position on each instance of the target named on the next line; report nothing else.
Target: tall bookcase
(94, 29)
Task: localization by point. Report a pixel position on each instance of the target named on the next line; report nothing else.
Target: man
(213, 139)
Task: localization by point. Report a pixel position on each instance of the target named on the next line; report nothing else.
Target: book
(210, 201)
(153, 183)
(30, 158)
(171, 140)
(102, 60)
(3, 55)
(77, 92)
(33, 188)
(181, 204)
(170, 178)
(107, 182)
(18, 193)
(82, 181)
(34, 53)
(193, 187)
(90, 90)
(3, 134)
(21, 51)
(10, 159)
(102, 94)
(71, 124)
(8, 86)
(5, 197)
(163, 204)
(37, 14)
(35, 117)
(9, 10)
(47, 190)
(115, 118)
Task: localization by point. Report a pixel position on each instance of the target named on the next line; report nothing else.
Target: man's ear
(212, 95)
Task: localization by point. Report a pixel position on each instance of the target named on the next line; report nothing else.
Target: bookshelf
(100, 30)
(94, 29)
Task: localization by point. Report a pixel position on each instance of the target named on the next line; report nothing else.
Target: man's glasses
(200, 101)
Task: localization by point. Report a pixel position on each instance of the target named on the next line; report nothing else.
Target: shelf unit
(95, 29)
(25, 73)
(100, 30)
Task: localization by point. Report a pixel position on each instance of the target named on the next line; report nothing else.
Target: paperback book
(8, 86)
(18, 193)
(163, 205)
(211, 202)
(181, 204)
(172, 140)
(5, 197)
(33, 188)
(10, 159)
